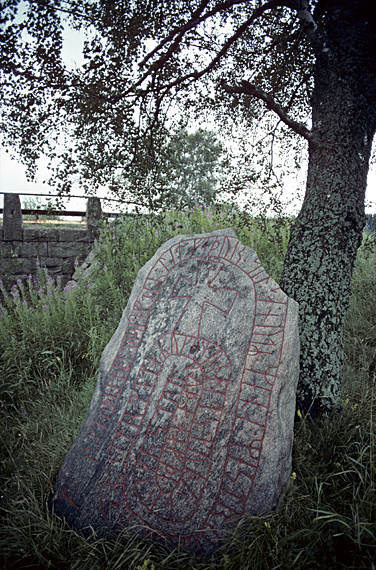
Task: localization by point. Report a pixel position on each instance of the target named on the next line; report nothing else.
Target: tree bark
(328, 231)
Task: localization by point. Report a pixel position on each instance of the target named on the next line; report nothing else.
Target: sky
(13, 178)
(12, 173)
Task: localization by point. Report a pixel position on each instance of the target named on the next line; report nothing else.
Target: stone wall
(55, 249)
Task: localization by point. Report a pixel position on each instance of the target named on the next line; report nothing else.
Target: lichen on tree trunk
(324, 240)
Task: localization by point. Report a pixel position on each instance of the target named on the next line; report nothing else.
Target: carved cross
(205, 296)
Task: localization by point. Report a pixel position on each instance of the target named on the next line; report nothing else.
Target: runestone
(190, 427)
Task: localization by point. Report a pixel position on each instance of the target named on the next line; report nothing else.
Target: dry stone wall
(24, 248)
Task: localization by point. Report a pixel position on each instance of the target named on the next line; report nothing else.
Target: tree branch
(308, 25)
(196, 19)
(247, 88)
(194, 75)
(182, 29)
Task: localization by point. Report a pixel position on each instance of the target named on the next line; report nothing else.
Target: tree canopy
(194, 164)
(147, 66)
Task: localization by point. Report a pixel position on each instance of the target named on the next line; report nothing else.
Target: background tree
(188, 166)
(310, 65)
(194, 165)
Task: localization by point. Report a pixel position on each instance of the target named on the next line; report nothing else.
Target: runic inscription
(184, 410)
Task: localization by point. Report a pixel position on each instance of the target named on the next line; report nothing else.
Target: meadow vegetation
(51, 340)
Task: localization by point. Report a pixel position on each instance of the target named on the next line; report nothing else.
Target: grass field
(50, 345)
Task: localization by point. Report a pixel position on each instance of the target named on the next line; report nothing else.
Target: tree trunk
(328, 231)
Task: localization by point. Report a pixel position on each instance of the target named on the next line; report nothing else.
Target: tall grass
(50, 344)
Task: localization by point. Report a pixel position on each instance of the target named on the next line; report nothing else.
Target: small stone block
(33, 249)
(190, 428)
(40, 234)
(93, 216)
(53, 265)
(12, 218)
(67, 266)
(10, 249)
(72, 234)
(67, 249)
(25, 266)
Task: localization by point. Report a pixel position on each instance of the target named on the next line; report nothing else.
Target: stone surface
(93, 216)
(190, 426)
(12, 218)
(56, 249)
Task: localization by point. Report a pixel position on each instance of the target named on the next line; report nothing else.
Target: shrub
(45, 332)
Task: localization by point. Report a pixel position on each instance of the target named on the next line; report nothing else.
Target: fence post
(12, 218)
(93, 215)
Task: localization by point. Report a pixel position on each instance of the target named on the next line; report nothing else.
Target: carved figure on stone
(190, 426)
